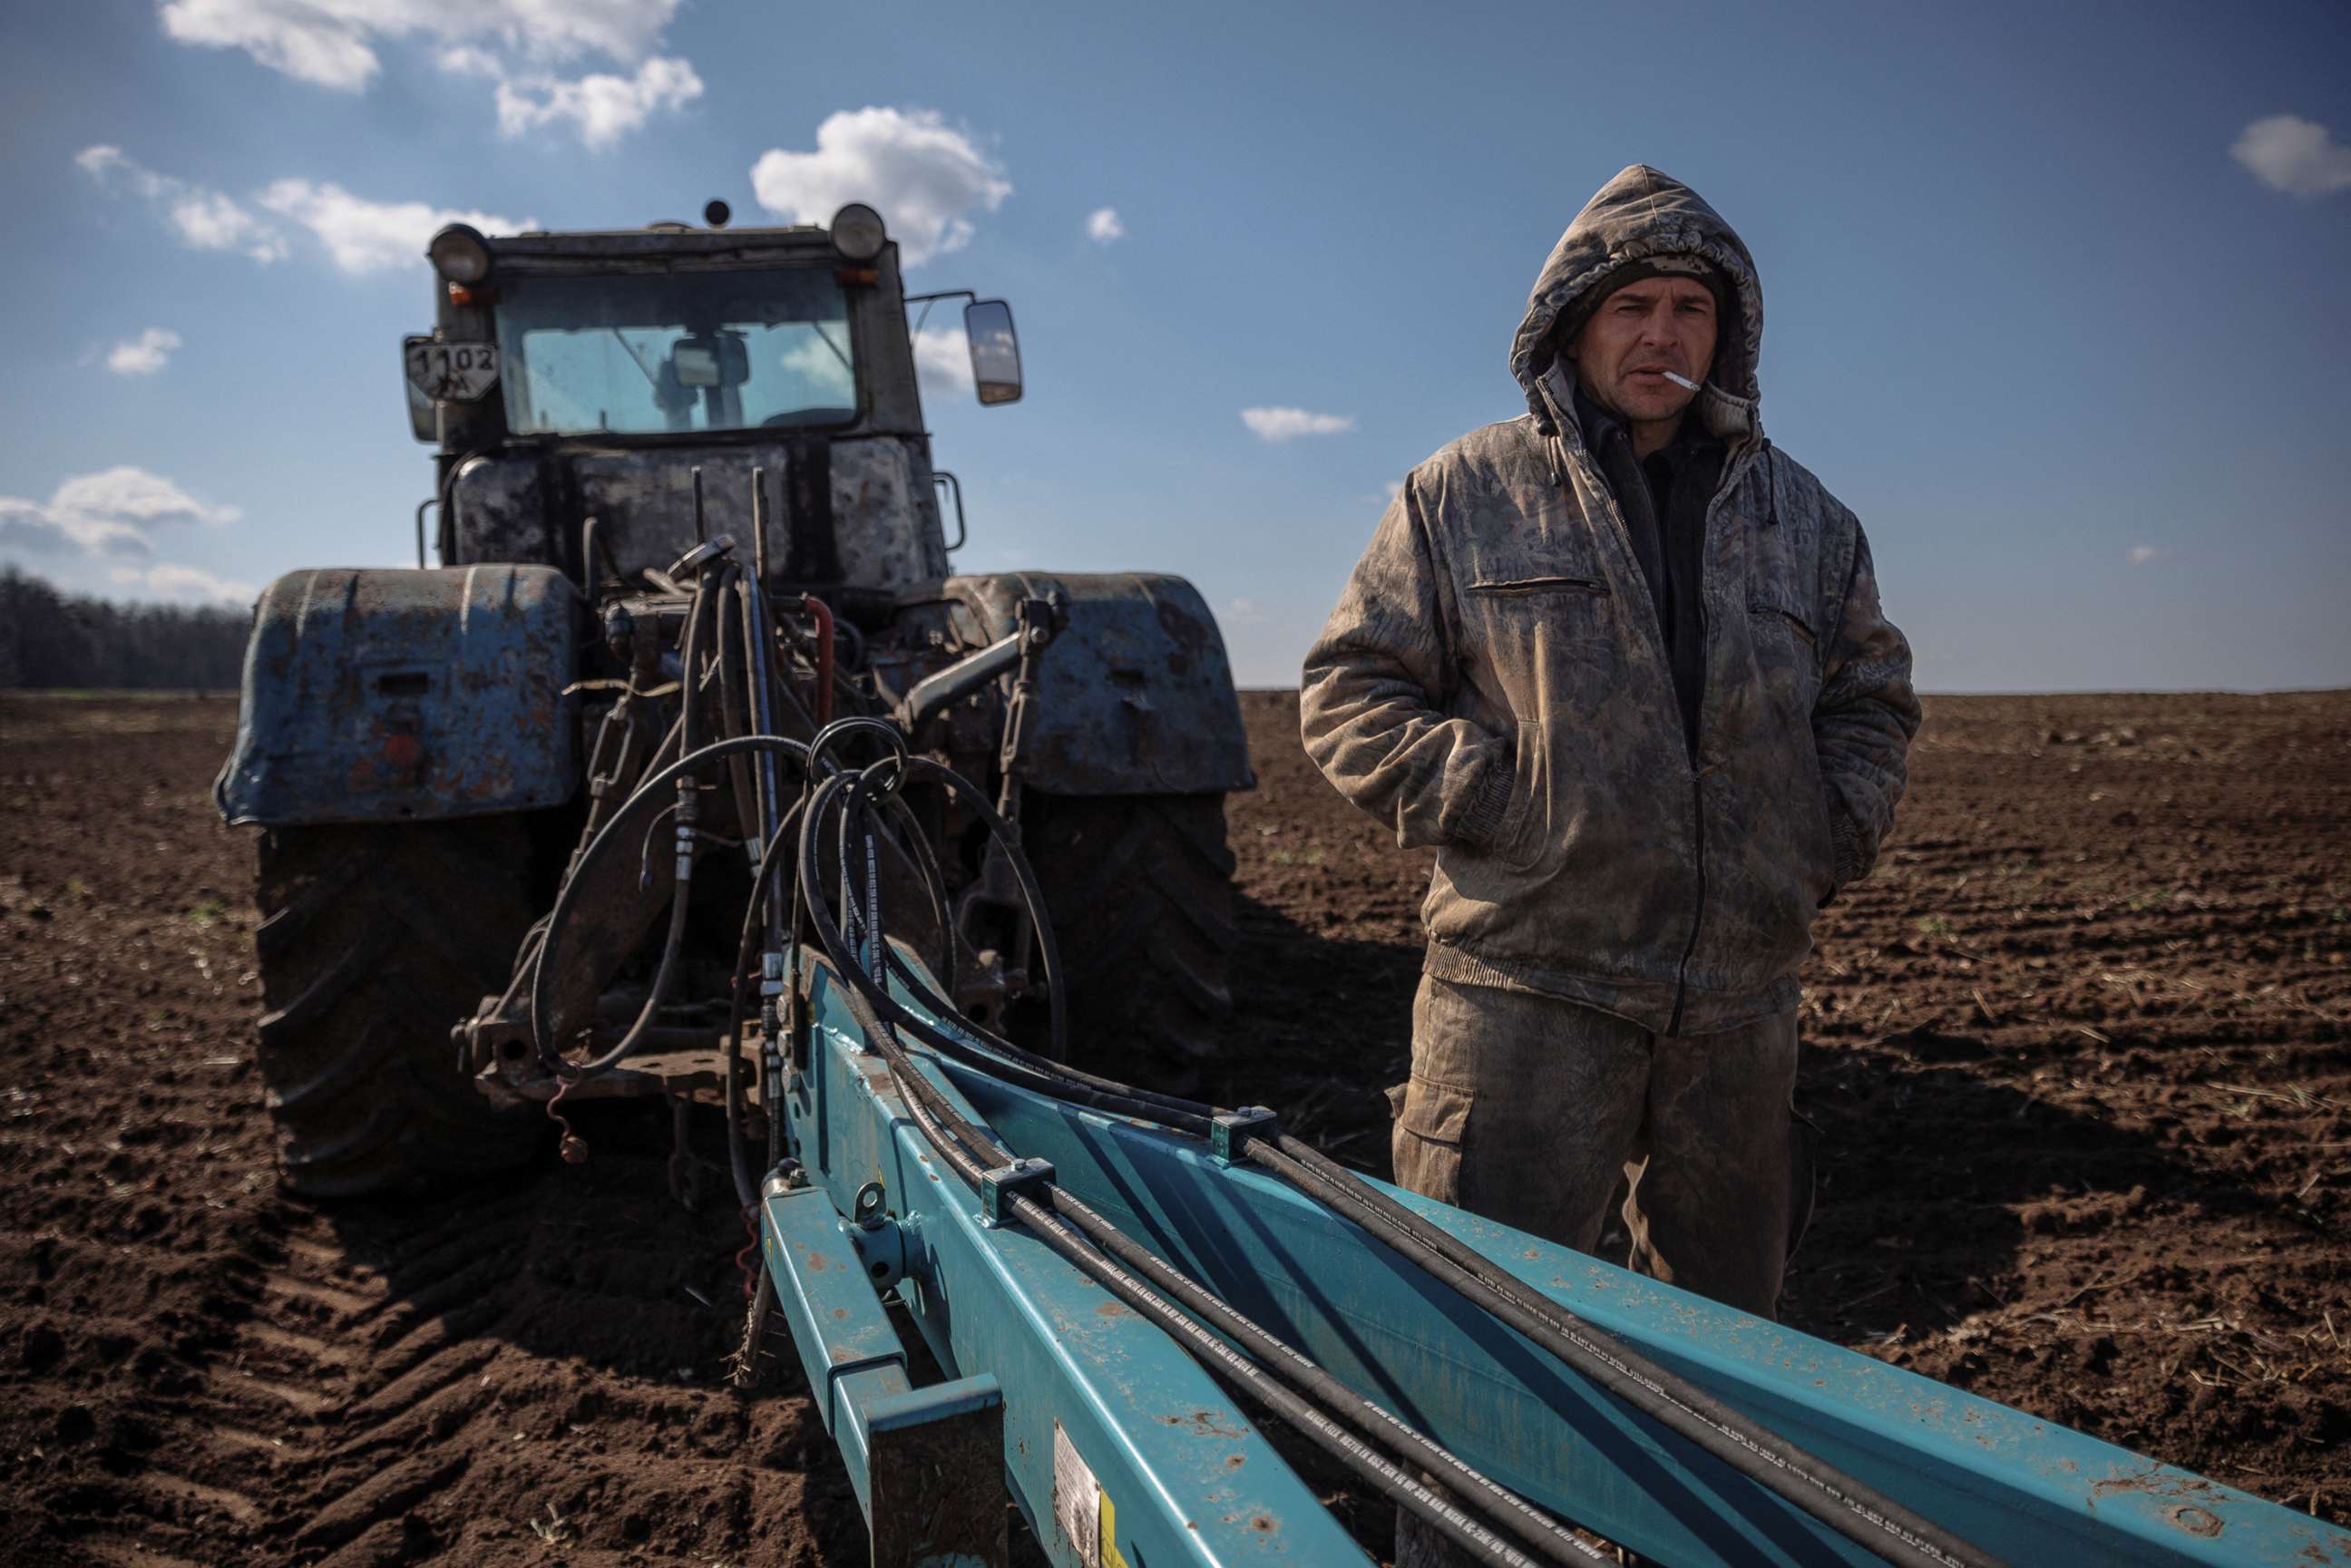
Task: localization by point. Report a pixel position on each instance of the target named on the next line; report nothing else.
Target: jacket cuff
(1489, 809)
(1849, 848)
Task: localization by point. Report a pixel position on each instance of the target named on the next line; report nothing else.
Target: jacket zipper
(1697, 806)
(1698, 834)
(1732, 473)
(1733, 470)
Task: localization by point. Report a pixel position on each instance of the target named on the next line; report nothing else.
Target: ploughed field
(2077, 1057)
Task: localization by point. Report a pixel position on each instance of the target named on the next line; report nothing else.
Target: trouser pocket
(1432, 1125)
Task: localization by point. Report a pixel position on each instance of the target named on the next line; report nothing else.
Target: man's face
(1644, 330)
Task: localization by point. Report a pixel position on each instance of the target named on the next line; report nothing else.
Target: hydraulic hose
(1441, 1512)
(759, 655)
(1553, 1539)
(709, 597)
(738, 1163)
(1860, 1513)
(689, 654)
(922, 769)
(964, 1148)
(559, 917)
(1167, 1110)
(737, 702)
(876, 995)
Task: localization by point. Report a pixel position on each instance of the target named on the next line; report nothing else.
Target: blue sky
(2058, 297)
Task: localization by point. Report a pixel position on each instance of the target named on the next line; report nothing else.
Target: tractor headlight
(460, 253)
(857, 232)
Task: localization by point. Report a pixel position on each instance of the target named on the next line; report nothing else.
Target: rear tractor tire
(1140, 889)
(374, 942)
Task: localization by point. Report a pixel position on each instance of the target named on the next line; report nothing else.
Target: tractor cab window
(656, 353)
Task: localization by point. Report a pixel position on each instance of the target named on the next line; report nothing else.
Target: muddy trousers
(1533, 1111)
(1536, 1111)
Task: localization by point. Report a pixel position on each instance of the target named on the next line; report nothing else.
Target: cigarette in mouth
(1683, 381)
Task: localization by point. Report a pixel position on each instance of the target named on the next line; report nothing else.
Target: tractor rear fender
(389, 695)
(1134, 696)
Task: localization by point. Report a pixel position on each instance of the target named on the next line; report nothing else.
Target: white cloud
(207, 220)
(1104, 227)
(469, 60)
(599, 107)
(1280, 425)
(2142, 555)
(132, 495)
(1244, 612)
(360, 236)
(110, 512)
(188, 582)
(943, 360)
(308, 42)
(1396, 486)
(332, 43)
(924, 176)
(2298, 156)
(203, 218)
(364, 237)
(105, 163)
(145, 354)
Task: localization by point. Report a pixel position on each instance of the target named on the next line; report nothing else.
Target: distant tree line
(53, 639)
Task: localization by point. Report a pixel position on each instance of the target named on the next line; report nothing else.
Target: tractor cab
(593, 375)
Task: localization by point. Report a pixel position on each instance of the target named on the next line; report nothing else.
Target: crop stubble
(2075, 1056)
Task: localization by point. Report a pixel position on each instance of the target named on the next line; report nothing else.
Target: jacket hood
(1645, 213)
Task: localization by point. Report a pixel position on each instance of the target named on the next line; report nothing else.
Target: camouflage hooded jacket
(1494, 681)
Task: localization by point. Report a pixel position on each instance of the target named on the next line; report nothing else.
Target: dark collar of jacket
(1601, 429)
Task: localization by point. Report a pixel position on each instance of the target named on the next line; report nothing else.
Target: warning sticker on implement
(1081, 1510)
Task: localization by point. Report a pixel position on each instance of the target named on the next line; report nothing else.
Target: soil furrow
(2076, 1053)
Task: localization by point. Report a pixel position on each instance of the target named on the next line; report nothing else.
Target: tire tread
(374, 942)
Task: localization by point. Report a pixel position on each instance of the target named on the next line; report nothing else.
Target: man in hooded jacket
(1622, 662)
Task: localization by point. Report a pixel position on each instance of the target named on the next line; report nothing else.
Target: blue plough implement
(1109, 1286)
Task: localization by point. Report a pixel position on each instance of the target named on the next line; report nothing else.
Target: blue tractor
(682, 483)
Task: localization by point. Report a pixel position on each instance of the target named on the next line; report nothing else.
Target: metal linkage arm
(1118, 1447)
(934, 1453)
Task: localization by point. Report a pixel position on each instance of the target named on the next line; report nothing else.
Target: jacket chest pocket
(1532, 630)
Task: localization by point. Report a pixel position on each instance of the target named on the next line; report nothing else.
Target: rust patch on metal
(2194, 1520)
(2159, 1482)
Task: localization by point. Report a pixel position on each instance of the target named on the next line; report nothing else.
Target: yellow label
(1110, 1555)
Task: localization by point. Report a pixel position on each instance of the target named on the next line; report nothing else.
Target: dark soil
(2077, 1057)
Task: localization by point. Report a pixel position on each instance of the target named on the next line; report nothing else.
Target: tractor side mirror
(995, 350)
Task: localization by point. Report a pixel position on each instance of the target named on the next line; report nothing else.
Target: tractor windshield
(652, 353)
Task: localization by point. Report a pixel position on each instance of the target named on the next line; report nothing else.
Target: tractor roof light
(460, 253)
(857, 232)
